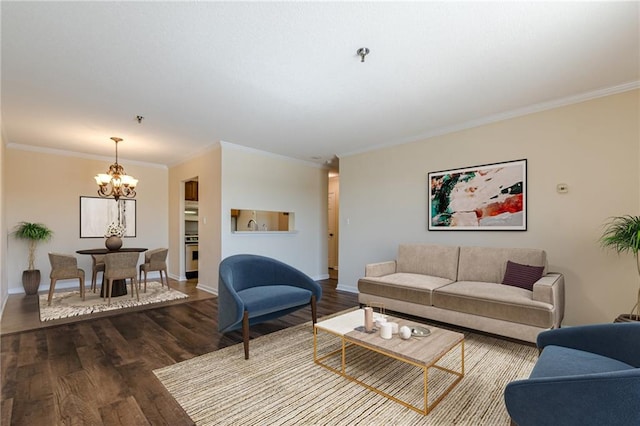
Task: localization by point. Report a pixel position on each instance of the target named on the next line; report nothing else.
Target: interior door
(333, 231)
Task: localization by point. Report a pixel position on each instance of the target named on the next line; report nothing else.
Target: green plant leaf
(622, 234)
(34, 233)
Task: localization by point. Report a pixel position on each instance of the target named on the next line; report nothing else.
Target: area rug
(69, 304)
(281, 385)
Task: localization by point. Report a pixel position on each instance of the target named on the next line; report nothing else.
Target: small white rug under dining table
(69, 304)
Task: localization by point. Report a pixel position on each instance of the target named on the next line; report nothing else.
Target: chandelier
(116, 183)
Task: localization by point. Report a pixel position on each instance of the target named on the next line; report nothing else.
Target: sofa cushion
(493, 300)
(523, 276)
(488, 264)
(557, 361)
(435, 260)
(414, 288)
(266, 299)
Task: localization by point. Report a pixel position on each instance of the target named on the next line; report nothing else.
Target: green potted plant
(33, 233)
(622, 234)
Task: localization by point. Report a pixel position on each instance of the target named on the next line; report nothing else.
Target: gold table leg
(346, 343)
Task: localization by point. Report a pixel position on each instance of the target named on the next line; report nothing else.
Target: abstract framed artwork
(490, 197)
(97, 213)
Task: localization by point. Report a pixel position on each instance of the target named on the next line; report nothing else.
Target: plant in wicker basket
(622, 234)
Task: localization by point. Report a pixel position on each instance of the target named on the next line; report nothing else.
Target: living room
(383, 195)
(586, 139)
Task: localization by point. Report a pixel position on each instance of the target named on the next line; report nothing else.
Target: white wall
(592, 146)
(253, 180)
(46, 187)
(206, 167)
(4, 285)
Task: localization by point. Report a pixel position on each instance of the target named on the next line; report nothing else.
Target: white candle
(386, 331)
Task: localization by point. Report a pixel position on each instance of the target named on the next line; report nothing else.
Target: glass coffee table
(423, 353)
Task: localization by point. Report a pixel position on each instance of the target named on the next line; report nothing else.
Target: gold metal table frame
(347, 342)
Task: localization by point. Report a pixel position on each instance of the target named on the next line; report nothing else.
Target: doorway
(191, 219)
(333, 208)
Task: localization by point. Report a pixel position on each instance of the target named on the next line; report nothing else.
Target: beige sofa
(463, 286)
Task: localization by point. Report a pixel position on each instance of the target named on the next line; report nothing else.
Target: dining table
(119, 287)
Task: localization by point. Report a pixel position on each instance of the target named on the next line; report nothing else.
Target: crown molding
(531, 109)
(65, 153)
(211, 147)
(237, 147)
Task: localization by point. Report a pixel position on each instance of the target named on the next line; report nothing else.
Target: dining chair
(97, 266)
(155, 260)
(64, 267)
(120, 266)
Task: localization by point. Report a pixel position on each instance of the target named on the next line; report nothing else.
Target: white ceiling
(284, 77)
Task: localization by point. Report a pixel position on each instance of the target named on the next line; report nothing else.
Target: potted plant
(33, 233)
(622, 234)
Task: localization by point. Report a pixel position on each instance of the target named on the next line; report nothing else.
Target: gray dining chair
(64, 267)
(97, 266)
(155, 260)
(121, 266)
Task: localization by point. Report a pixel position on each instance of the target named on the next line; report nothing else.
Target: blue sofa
(585, 375)
(253, 289)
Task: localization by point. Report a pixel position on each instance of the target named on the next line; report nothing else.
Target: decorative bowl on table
(418, 331)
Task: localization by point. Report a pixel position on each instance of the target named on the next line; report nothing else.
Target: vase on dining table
(113, 243)
(114, 234)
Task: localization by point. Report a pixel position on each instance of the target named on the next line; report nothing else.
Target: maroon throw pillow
(523, 276)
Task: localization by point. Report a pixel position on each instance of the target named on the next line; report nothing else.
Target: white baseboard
(178, 277)
(348, 288)
(320, 277)
(208, 289)
(4, 303)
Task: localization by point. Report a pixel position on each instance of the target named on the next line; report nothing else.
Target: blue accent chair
(254, 289)
(585, 375)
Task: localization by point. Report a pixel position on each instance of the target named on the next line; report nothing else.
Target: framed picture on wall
(488, 197)
(97, 213)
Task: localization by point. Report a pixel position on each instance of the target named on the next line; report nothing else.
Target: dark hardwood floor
(98, 371)
(21, 312)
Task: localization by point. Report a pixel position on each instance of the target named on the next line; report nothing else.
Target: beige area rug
(69, 304)
(281, 385)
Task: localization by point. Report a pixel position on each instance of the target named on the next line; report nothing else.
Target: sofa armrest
(550, 289)
(590, 399)
(619, 341)
(380, 269)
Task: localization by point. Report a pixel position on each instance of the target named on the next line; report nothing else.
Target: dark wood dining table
(119, 287)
